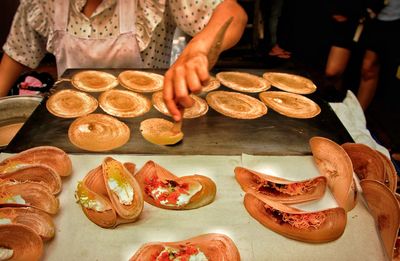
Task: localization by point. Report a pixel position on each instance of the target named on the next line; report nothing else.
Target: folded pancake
(290, 104)
(123, 189)
(98, 132)
(212, 246)
(290, 82)
(211, 85)
(163, 189)
(140, 81)
(334, 163)
(243, 82)
(199, 108)
(236, 105)
(34, 172)
(367, 163)
(14, 193)
(94, 181)
(313, 227)
(131, 167)
(109, 195)
(160, 131)
(50, 156)
(279, 189)
(385, 209)
(390, 172)
(71, 104)
(96, 207)
(20, 243)
(124, 103)
(38, 220)
(94, 81)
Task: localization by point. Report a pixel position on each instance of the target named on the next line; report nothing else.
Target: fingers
(192, 79)
(181, 87)
(181, 80)
(202, 72)
(169, 97)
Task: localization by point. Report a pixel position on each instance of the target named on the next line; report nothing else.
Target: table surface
(211, 134)
(77, 238)
(222, 144)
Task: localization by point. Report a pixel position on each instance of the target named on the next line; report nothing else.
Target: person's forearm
(221, 14)
(10, 70)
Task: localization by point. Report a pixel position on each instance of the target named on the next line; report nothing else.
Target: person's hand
(191, 69)
(185, 76)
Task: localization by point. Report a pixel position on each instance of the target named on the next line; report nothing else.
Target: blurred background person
(382, 43)
(113, 34)
(272, 11)
(347, 18)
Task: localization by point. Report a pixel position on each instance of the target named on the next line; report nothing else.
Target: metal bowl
(14, 111)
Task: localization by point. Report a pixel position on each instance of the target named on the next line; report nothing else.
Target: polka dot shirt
(31, 33)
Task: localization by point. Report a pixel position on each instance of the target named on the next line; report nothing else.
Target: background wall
(7, 11)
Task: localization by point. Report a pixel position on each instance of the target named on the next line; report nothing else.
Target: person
(346, 20)
(190, 71)
(118, 34)
(382, 41)
(272, 20)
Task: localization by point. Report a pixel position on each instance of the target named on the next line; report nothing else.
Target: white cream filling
(125, 193)
(14, 199)
(182, 199)
(15, 167)
(197, 257)
(4, 221)
(84, 128)
(88, 200)
(92, 204)
(5, 253)
(277, 100)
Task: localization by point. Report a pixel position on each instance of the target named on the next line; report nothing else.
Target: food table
(213, 146)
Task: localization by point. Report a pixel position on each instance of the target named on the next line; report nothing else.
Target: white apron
(121, 51)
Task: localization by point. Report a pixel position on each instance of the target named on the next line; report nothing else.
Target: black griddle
(212, 134)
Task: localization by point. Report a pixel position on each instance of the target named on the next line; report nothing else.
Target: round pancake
(94, 81)
(71, 104)
(123, 103)
(160, 131)
(243, 82)
(98, 132)
(290, 82)
(199, 108)
(211, 85)
(139, 81)
(290, 104)
(236, 105)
